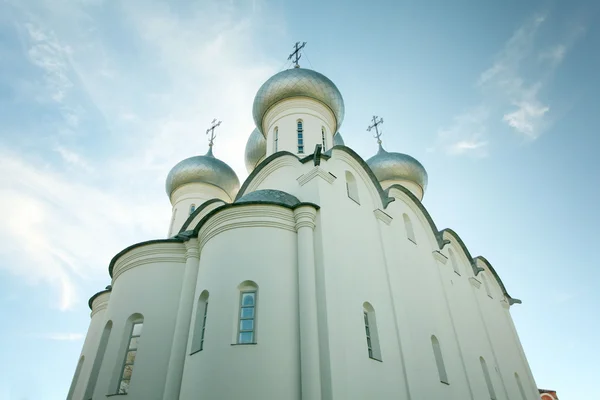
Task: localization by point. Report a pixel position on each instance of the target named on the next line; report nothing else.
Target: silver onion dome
(256, 150)
(203, 169)
(297, 82)
(397, 166)
(338, 140)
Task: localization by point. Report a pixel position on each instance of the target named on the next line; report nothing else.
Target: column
(310, 373)
(182, 322)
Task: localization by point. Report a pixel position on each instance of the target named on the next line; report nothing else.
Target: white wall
(146, 281)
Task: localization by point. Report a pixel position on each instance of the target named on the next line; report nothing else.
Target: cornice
(314, 173)
(475, 282)
(149, 254)
(439, 256)
(251, 215)
(268, 170)
(382, 216)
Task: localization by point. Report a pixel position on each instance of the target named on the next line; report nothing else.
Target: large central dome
(297, 82)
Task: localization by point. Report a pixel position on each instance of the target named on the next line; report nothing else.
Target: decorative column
(182, 322)
(310, 372)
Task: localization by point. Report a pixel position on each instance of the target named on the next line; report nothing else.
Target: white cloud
(512, 87)
(152, 110)
(465, 136)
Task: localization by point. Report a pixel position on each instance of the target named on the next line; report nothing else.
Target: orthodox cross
(375, 125)
(214, 124)
(296, 53)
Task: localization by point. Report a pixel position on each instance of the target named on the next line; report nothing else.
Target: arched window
(192, 208)
(300, 137)
(352, 187)
(137, 324)
(247, 313)
(373, 348)
(410, 233)
(89, 391)
(453, 261)
(439, 360)
(323, 137)
(488, 380)
(200, 327)
(520, 385)
(276, 140)
(75, 377)
(486, 284)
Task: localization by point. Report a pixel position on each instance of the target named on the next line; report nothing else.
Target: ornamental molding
(100, 303)
(305, 217)
(192, 250)
(314, 173)
(440, 257)
(249, 216)
(382, 216)
(274, 165)
(475, 282)
(149, 254)
(299, 106)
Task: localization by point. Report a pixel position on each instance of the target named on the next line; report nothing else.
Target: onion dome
(338, 140)
(297, 82)
(397, 167)
(203, 169)
(256, 150)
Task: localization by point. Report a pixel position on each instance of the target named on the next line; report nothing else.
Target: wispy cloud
(512, 90)
(134, 121)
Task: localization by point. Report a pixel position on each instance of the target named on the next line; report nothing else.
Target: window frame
(128, 349)
(439, 360)
(200, 330)
(410, 230)
(323, 137)
(371, 332)
(300, 132)
(240, 318)
(275, 139)
(192, 208)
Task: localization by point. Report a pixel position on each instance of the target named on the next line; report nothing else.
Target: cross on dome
(211, 140)
(296, 53)
(375, 125)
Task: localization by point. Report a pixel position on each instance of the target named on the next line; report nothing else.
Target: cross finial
(375, 125)
(296, 53)
(211, 140)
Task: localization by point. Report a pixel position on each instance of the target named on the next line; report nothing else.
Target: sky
(99, 99)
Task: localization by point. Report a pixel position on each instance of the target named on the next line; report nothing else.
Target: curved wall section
(242, 249)
(146, 281)
(90, 346)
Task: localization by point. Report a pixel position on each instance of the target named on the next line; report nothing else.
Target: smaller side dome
(270, 196)
(256, 150)
(203, 169)
(338, 140)
(390, 166)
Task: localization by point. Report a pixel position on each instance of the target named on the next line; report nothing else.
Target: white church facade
(322, 276)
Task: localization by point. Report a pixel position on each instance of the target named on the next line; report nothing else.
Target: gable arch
(484, 264)
(460, 249)
(412, 202)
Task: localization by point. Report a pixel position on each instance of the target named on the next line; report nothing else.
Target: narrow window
(453, 261)
(192, 208)
(439, 360)
(520, 385)
(247, 313)
(486, 284)
(276, 135)
(488, 380)
(323, 137)
(89, 391)
(300, 138)
(410, 233)
(130, 354)
(352, 187)
(75, 377)
(373, 348)
(201, 311)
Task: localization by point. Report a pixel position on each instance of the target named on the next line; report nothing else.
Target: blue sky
(99, 99)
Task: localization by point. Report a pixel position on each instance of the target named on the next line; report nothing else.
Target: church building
(321, 277)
